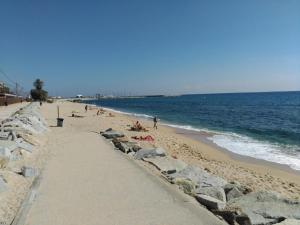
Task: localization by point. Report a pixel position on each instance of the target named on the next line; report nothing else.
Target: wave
(247, 146)
(129, 114)
(239, 144)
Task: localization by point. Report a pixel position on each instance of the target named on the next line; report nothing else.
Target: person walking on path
(86, 108)
(155, 122)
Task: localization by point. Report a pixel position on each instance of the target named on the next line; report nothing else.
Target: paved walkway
(86, 182)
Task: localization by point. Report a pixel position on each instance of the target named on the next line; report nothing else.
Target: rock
(122, 146)
(4, 135)
(24, 145)
(266, 207)
(112, 134)
(215, 192)
(186, 185)
(233, 193)
(289, 222)
(28, 171)
(149, 153)
(199, 177)
(235, 184)
(6, 147)
(126, 146)
(3, 186)
(131, 154)
(210, 202)
(166, 164)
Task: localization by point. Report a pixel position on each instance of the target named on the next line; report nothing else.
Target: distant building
(79, 96)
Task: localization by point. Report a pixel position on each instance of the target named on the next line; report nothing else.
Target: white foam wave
(257, 149)
(188, 127)
(129, 114)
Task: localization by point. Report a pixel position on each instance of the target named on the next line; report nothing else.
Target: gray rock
(233, 193)
(166, 164)
(6, 147)
(199, 177)
(210, 202)
(24, 145)
(233, 217)
(266, 208)
(126, 146)
(235, 184)
(289, 222)
(131, 154)
(28, 171)
(122, 146)
(186, 185)
(215, 192)
(112, 134)
(3, 186)
(149, 153)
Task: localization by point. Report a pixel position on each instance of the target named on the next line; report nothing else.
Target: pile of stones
(233, 202)
(18, 136)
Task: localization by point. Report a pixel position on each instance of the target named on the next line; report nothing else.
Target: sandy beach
(79, 167)
(193, 149)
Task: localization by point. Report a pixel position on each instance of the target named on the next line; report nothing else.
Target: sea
(260, 125)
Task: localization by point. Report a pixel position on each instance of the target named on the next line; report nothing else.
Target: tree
(38, 94)
(38, 84)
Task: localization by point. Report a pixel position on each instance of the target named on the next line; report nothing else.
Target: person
(41, 103)
(155, 122)
(86, 108)
(98, 112)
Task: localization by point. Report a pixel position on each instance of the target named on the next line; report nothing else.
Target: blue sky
(151, 47)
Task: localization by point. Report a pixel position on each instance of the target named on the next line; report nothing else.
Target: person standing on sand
(86, 107)
(155, 122)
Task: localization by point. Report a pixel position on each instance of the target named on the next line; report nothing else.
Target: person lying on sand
(141, 138)
(76, 116)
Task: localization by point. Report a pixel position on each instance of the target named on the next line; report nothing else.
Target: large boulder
(186, 185)
(7, 147)
(199, 177)
(125, 146)
(266, 207)
(149, 153)
(167, 165)
(27, 171)
(233, 193)
(215, 192)
(110, 134)
(210, 202)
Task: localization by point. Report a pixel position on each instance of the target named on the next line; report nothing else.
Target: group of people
(136, 126)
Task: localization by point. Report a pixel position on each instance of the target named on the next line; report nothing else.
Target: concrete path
(86, 182)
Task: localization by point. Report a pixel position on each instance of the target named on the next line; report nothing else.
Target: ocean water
(260, 125)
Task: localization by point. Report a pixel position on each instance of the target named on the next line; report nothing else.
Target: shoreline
(254, 173)
(202, 136)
